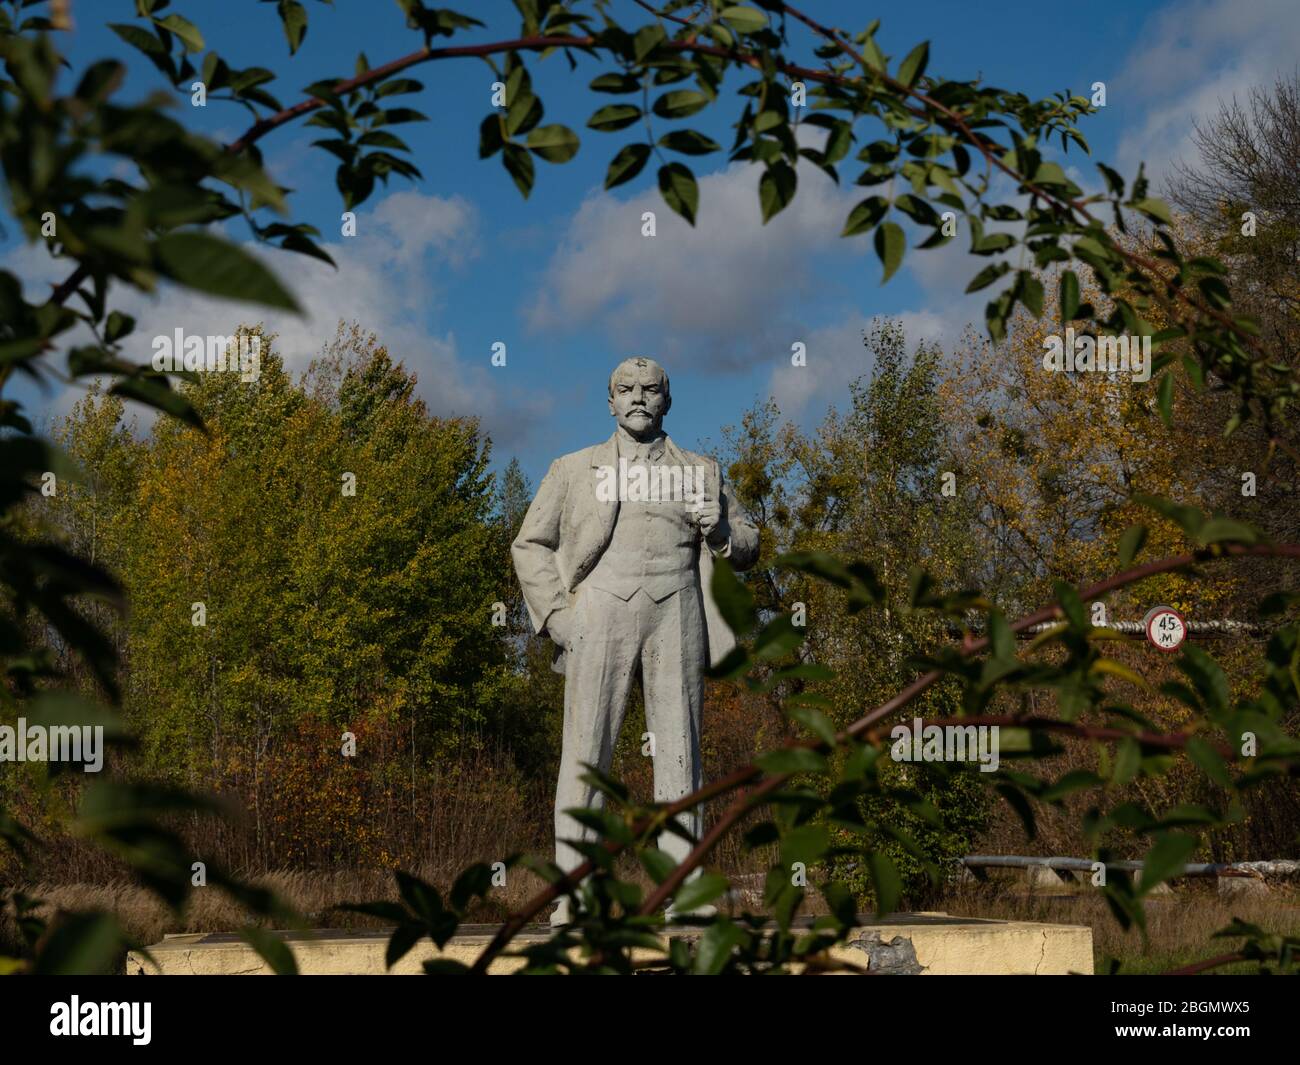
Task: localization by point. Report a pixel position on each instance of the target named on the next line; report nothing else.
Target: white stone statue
(615, 557)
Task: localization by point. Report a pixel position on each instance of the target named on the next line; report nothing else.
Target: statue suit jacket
(567, 528)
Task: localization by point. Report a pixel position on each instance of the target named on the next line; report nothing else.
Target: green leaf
(490, 137)
(1128, 760)
(629, 162)
(776, 189)
(1002, 641)
(1031, 293)
(815, 721)
(680, 103)
(1069, 296)
(1207, 677)
(689, 142)
(1049, 174)
(779, 637)
(294, 18)
(82, 944)
(613, 117)
(1210, 761)
(444, 967)
(396, 115)
(807, 844)
(209, 264)
(1071, 605)
(889, 243)
(524, 112)
(1024, 809)
(716, 946)
(734, 599)
(397, 86)
(1166, 859)
(873, 55)
(647, 39)
(1189, 519)
(185, 30)
(1114, 179)
(889, 886)
(139, 39)
(1073, 781)
(865, 216)
(1131, 543)
(555, 144)
(791, 760)
(992, 244)
(272, 949)
(987, 276)
(379, 138)
(1219, 530)
(917, 209)
(1157, 209)
(743, 18)
(423, 899)
(616, 83)
(914, 65)
(117, 326)
(1165, 399)
(519, 165)
(677, 185)
(659, 864)
(474, 882)
(400, 943)
(700, 891)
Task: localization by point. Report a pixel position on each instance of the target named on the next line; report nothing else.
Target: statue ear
(668, 403)
(611, 406)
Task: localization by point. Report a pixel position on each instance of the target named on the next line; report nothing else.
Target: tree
(1239, 198)
(869, 484)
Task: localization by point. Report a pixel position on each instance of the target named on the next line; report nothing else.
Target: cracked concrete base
(975, 948)
(925, 944)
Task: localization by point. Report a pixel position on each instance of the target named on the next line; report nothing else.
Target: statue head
(639, 397)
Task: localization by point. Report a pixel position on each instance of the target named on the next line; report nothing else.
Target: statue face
(639, 398)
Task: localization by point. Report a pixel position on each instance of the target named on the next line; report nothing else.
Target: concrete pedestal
(902, 944)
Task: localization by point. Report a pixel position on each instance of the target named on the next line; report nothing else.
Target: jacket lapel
(604, 455)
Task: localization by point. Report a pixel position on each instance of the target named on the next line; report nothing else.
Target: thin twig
(743, 775)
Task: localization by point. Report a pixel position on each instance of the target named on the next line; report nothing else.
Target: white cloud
(1189, 58)
(387, 279)
(719, 293)
(837, 356)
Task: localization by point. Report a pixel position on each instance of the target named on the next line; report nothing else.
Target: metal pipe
(1085, 865)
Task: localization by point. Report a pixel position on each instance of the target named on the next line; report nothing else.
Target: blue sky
(445, 267)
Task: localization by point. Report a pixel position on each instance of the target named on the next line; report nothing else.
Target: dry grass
(1180, 926)
(316, 895)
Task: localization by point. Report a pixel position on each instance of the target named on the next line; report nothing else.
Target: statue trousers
(610, 640)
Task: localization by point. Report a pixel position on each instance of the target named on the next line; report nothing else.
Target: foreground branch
(859, 729)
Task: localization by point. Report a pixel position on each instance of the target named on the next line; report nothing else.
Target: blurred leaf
(1165, 859)
(272, 949)
(1130, 543)
(219, 268)
(699, 892)
(888, 884)
(81, 944)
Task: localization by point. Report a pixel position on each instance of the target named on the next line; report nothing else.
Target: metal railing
(1255, 870)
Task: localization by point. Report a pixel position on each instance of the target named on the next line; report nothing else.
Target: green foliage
(319, 602)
